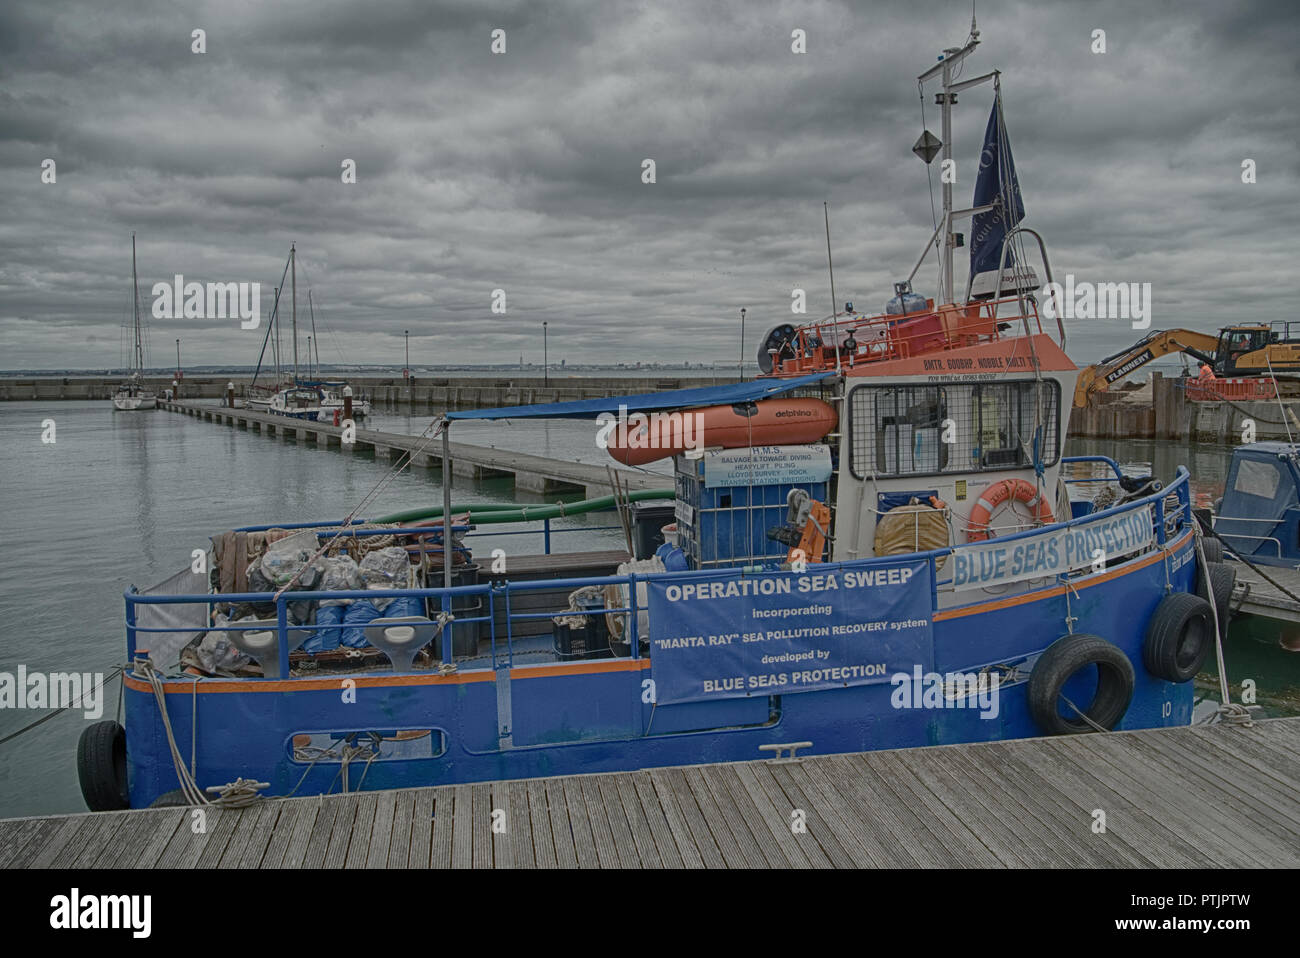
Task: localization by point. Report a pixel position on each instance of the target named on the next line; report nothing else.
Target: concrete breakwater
(432, 394)
(1159, 409)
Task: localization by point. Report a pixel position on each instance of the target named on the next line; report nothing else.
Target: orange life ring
(978, 526)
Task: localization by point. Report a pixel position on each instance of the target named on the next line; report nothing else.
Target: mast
(293, 279)
(314, 337)
(275, 321)
(138, 359)
(946, 99)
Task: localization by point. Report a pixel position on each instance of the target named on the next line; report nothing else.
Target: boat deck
(1257, 596)
(1216, 796)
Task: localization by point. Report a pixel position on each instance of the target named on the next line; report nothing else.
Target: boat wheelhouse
(912, 572)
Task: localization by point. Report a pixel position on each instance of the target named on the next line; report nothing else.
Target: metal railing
(1165, 522)
(856, 340)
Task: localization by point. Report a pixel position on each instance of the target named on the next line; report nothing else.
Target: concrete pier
(530, 473)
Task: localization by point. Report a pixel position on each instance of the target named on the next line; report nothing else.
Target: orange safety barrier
(1217, 390)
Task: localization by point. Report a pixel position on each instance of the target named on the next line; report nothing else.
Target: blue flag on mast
(995, 182)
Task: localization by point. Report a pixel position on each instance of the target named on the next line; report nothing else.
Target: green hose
(489, 514)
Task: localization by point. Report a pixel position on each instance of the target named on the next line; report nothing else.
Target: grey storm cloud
(522, 171)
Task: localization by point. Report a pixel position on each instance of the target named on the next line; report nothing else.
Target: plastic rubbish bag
(286, 558)
(386, 569)
(341, 575)
(216, 653)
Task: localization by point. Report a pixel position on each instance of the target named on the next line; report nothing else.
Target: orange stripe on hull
(185, 687)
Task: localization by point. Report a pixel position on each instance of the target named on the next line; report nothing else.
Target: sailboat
(301, 399)
(133, 395)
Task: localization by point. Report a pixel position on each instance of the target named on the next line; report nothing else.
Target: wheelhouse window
(962, 427)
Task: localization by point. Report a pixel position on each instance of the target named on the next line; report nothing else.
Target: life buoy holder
(977, 527)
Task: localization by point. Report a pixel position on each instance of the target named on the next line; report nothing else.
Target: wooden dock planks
(1256, 595)
(1217, 796)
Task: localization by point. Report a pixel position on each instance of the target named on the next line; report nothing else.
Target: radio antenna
(835, 333)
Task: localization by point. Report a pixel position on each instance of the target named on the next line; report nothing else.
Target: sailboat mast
(275, 321)
(135, 288)
(293, 279)
(315, 339)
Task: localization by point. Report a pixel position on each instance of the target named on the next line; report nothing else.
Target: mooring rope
(72, 705)
(1228, 711)
(189, 788)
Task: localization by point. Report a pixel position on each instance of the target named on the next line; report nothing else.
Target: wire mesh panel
(920, 430)
(728, 525)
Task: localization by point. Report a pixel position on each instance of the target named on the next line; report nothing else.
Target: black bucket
(464, 635)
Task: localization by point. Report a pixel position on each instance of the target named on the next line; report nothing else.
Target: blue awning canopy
(646, 402)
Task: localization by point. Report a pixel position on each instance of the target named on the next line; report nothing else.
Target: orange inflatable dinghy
(647, 437)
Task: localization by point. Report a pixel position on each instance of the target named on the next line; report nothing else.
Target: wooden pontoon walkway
(1257, 596)
(1218, 796)
(532, 473)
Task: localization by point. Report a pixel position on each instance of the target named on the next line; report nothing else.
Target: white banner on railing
(1051, 553)
(766, 466)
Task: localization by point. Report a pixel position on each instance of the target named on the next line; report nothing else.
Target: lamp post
(178, 359)
(742, 344)
(546, 364)
(406, 370)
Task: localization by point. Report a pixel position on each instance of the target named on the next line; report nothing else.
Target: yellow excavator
(1248, 350)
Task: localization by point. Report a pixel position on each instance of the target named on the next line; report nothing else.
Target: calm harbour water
(122, 499)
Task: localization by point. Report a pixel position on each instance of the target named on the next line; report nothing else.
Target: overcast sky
(522, 170)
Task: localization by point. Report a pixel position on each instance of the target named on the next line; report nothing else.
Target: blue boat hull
(592, 716)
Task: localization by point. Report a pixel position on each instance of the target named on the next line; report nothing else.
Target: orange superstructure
(852, 342)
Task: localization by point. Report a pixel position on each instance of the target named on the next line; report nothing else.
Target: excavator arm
(1100, 376)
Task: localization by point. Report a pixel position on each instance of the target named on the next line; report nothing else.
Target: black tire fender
(1067, 656)
(173, 799)
(1213, 549)
(1223, 578)
(1179, 636)
(101, 767)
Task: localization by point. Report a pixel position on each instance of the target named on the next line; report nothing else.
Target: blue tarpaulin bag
(324, 640)
(360, 613)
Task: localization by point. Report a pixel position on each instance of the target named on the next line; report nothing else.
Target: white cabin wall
(855, 516)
